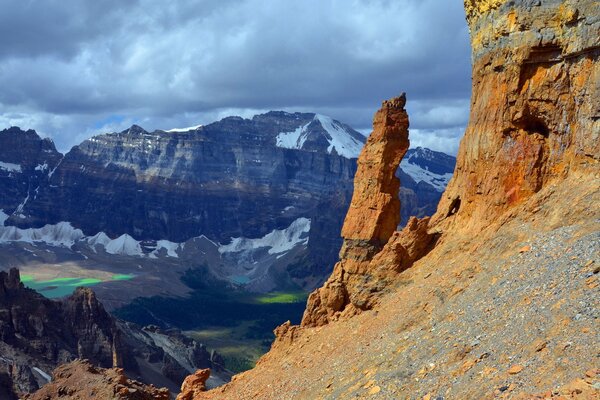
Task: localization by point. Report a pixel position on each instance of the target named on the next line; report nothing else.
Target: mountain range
(216, 194)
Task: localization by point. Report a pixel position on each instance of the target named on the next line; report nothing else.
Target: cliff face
(25, 163)
(227, 179)
(535, 114)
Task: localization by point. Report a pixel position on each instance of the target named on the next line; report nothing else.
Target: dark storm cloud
(69, 67)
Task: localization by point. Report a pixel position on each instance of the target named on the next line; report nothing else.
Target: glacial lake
(61, 287)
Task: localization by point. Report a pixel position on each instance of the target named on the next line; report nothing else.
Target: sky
(71, 69)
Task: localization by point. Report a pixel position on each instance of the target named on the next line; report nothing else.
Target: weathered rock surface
(38, 334)
(26, 160)
(535, 115)
(374, 211)
(81, 380)
(194, 385)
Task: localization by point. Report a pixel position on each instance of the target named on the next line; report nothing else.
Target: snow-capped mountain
(277, 181)
(342, 139)
(432, 167)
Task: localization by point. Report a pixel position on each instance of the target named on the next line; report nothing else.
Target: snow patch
(100, 239)
(44, 375)
(189, 128)
(61, 234)
(340, 139)
(419, 174)
(124, 245)
(293, 140)
(3, 217)
(42, 167)
(10, 167)
(169, 246)
(337, 135)
(278, 241)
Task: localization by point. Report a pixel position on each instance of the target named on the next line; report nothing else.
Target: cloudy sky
(71, 68)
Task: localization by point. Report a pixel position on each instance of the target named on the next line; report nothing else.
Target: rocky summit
(496, 295)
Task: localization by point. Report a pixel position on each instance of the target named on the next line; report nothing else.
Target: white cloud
(182, 63)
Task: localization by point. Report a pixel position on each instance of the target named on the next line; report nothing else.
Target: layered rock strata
(535, 114)
(362, 272)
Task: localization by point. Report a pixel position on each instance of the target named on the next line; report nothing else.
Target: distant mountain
(423, 174)
(239, 186)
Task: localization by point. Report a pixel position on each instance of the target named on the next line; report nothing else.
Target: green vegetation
(281, 297)
(238, 324)
(61, 287)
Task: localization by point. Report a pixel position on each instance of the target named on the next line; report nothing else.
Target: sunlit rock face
(535, 114)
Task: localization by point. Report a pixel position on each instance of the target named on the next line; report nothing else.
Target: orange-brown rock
(374, 211)
(194, 384)
(80, 380)
(372, 253)
(535, 113)
(449, 320)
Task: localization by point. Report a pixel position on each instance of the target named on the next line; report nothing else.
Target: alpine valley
(212, 234)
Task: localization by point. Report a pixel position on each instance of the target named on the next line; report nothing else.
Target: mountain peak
(323, 131)
(135, 130)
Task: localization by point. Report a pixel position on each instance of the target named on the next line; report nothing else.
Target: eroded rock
(82, 380)
(194, 384)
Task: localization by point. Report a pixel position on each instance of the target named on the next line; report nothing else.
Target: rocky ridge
(82, 380)
(38, 334)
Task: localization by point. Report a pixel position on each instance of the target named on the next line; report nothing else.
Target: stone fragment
(515, 369)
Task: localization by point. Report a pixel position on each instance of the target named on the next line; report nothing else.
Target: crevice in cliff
(454, 207)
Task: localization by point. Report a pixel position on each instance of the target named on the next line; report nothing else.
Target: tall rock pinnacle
(372, 253)
(374, 211)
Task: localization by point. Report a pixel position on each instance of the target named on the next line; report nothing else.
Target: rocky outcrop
(194, 385)
(369, 259)
(80, 379)
(170, 352)
(535, 116)
(37, 334)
